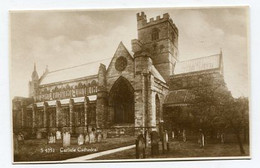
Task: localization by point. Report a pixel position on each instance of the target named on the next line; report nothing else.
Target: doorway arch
(121, 99)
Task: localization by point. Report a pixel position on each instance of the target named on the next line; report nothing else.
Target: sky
(60, 39)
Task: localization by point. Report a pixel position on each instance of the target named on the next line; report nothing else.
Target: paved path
(98, 154)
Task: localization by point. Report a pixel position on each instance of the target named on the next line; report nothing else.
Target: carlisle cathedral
(129, 93)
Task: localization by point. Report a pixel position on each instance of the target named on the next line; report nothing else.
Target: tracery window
(39, 117)
(93, 87)
(66, 114)
(79, 115)
(51, 117)
(68, 91)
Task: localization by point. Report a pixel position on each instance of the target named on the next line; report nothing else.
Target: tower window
(155, 34)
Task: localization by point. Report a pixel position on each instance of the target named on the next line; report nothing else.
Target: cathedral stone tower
(160, 38)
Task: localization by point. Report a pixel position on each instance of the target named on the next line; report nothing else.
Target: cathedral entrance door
(122, 101)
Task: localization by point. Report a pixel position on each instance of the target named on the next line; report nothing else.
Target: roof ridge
(198, 58)
(121, 43)
(79, 65)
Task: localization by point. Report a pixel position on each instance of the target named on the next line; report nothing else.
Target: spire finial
(34, 68)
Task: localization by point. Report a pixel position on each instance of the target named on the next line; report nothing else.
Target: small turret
(102, 78)
(33, 85)
(35, 74)
(141, 19)
(141, 16)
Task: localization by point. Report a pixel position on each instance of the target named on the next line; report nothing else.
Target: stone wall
(113, 74)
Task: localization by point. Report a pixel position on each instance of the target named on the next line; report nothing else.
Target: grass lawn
(188, 149)
(39, 150)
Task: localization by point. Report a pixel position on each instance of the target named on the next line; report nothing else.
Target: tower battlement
(142, 20)
(158, 36)
(141, 16)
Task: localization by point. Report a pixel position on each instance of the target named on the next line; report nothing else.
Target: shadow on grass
(188, 149)
(39, 150)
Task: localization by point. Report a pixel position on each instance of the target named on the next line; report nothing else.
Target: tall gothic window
(157, 107)
(39, 117)
(155, 34)
(79, 115)
(93, 87)
(66, 114)
(51, 118)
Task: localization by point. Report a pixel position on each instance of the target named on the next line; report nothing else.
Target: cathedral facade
(129, 93)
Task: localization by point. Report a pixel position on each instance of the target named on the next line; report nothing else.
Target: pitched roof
(75, 72)
(179, 97)
(198, 64)
(85, 70)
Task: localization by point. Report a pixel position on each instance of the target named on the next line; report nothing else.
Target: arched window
(66, 116)
(157, 108)
(155, 34)
(51, 117)
(88, 89)
(39, 117)
(93, 86)
(79, 115)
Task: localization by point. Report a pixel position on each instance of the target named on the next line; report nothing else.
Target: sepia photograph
(150, 84)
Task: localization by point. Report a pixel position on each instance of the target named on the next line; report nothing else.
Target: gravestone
(222, 137)
(99, 137)
(66, 139)
(140, 147)
(218, 135)
(58, 135)
(20, 138)
(38, 135)
(184, 135)
(165, 143)
(104, 134)
(86, 139)
(117, 133)
(51, 138)
(80, 139)
(201, 140)
(154, 143)
(122, 131)
(147, 138)
(172, 134)
(92, 138)
(48, 138)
